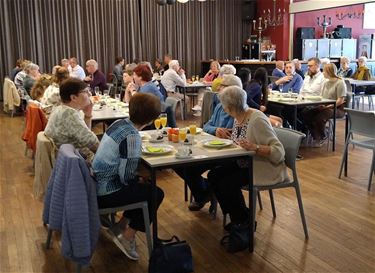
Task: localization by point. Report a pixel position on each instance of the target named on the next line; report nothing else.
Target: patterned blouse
(239, 133)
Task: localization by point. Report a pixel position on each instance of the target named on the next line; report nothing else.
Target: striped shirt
(116, 160)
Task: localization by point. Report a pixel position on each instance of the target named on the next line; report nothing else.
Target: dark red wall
(280, 35)
(308, 19)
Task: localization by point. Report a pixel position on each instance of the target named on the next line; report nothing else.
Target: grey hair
(227, 69)
(93, 63)
(173, 63)
(363, 58)
(31, 66)
(64, 61)
(345, 59)
(234, 98)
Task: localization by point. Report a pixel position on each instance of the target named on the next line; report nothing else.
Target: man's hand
(223, 133)
(263, 108)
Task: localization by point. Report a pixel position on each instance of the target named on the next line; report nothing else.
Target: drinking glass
(157, 124)
(197, 78)
(96, 91)
(290, 92)
(192, 78)
(281, 88)
(163, 120)
(117, 97)
(106, 93)
(193, 131)
(182, 135)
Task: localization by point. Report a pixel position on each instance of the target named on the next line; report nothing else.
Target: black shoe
(196, 206)
(228, 226)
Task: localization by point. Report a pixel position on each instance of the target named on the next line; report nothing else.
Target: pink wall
(280, 35)
(308, 19)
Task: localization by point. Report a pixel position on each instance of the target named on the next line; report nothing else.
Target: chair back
(163, 91)
(207, 107)
(11, 96)
(172, 101)
(361, 123)
(291, 140)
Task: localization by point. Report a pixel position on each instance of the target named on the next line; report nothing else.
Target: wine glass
(157, 124)
(197, 78)
(192, 78)
(281, 87)
(163, 120)
(193, 131)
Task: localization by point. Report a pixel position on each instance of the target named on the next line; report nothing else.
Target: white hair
(227, 69)
(231, 80)
(31, 66)
(234, 98)
(363, 58)
(93, 63)
(324, 61)
(173, 64)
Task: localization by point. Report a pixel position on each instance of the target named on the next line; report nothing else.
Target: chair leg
(300, 205)
(182, 109)
(344, 155)
(185, 191)
(213, 207)
(372, 171)
(146, 219)
(272, 203)
(260, 201)
(49, 237)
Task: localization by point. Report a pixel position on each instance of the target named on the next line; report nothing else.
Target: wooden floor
(340, 216)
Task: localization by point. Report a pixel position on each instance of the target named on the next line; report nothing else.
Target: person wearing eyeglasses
(66, 124)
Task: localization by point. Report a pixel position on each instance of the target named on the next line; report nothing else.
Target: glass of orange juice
(157, 124)
(163, 119)
(182, 134)
(193, 131)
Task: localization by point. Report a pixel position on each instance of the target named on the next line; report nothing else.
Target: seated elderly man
(291, 82)
(96, 78)
(66, 124)
(220, 125)
(279, 70)
(298, 68)
(174, 76)
(76, 70)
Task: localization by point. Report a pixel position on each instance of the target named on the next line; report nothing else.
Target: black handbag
(171, 256)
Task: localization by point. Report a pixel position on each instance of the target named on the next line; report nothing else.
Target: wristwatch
(257, 148)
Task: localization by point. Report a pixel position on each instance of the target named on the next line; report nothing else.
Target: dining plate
(157, 149)
(156, 140)
(217, 143)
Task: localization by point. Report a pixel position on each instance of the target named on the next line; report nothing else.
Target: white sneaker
(128, 247)
(197, 108)
(197, 114)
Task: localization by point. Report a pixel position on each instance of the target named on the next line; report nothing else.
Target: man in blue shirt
(292, 80)
(279, 70)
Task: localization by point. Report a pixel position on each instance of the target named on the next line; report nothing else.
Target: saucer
(155, 140)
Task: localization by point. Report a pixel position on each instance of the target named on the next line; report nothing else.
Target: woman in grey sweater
(253, 132)
(334, 88)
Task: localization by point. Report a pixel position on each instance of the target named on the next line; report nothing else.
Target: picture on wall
(364, 45)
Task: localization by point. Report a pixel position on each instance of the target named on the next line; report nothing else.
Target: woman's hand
(88, 110)
(247, 145)
(223, 133)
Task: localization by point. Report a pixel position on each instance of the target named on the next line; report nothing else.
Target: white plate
(164, 149)
(210, 143)
(156, 140)
(199, 130)
(183, 156)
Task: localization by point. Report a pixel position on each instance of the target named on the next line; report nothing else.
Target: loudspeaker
(305, 33)
(342, 33)
(249, 10)
(254, 50)
(245, 51)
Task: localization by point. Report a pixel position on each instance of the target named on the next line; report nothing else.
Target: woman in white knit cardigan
(253, 132)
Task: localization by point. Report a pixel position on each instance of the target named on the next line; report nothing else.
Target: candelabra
(276, 19)
(324, 25)
(262, 25)
(350, 15)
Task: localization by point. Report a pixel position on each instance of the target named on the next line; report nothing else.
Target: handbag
(171, 256)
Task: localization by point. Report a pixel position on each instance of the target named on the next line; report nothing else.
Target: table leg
(252, 202)
(334, 128)
(295, 118)
(153, 207)
(353, 97)
(184, 108)
(346, 135)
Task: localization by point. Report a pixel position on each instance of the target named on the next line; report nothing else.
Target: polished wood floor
(340, 216)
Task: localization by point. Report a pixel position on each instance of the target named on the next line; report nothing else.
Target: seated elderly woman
(345, 71)
(32, 75)
(362, 72)
(253, 132)
(115, 167)
(39, 87)
(143, 79)
(315, 119)
(66, 124)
